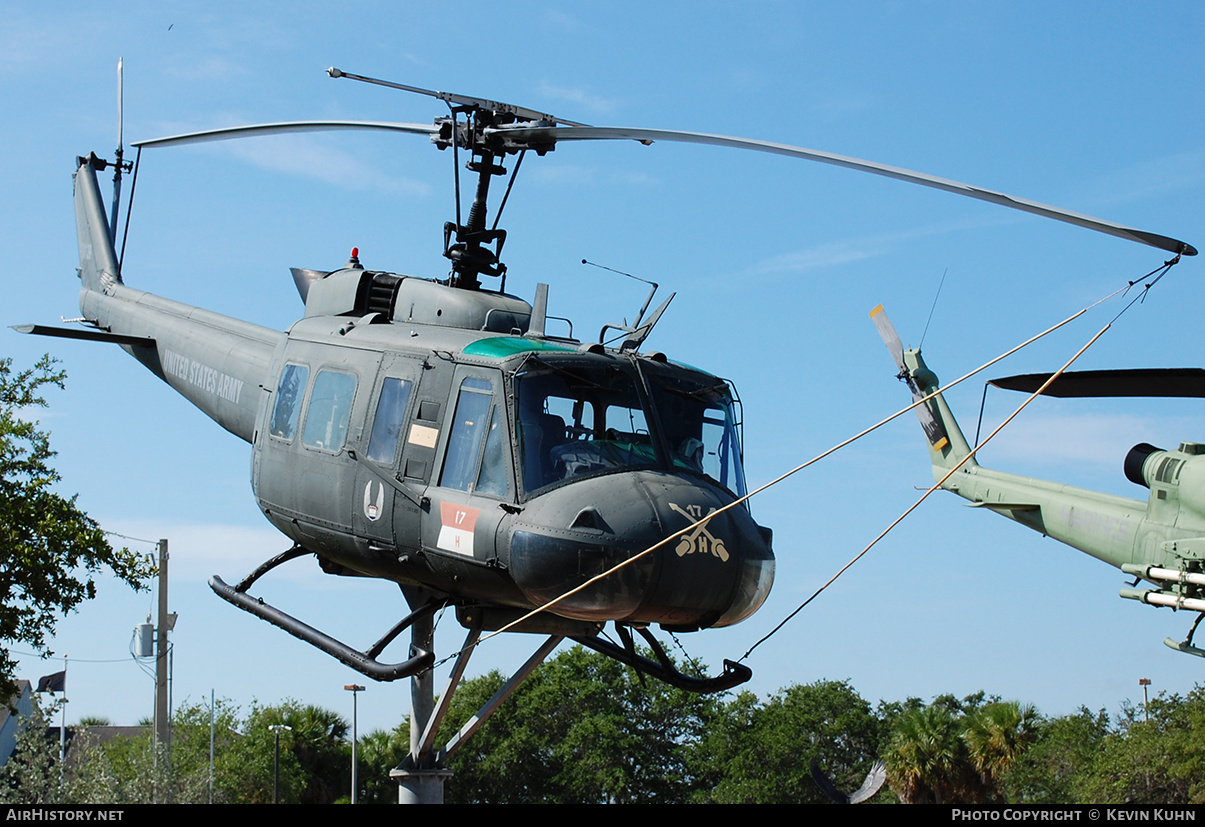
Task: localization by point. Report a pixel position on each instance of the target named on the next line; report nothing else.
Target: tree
(1160, 761)
(582, 729)
(927, 760)
(996, 735)
(1061, 755)
(31, 775)
(760, 754)
(315, 756)
(379, 752)
(50, 551)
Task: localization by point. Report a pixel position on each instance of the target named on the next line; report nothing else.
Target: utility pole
(165, 624)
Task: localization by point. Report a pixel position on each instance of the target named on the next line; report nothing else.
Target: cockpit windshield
(579, 419)
(696, 415)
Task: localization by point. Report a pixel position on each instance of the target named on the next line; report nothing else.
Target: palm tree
(927, 761)
(996, 735)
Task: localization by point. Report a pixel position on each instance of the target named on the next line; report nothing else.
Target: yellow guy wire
(812, 461)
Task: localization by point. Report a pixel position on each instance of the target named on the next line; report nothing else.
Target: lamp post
(1144, 683)
(276, 728)
(355, 690)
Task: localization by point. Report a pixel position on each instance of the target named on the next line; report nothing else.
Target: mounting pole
(421, 785)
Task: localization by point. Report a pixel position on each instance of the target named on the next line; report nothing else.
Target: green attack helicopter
(1161, 541)
(433, 433)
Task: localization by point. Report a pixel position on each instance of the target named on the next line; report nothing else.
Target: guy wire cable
(1141, 296)
(703, 521)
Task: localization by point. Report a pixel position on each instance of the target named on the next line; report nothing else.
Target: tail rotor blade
(933, 429)
(890, 338)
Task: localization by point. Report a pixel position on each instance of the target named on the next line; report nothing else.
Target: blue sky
(1093, 107)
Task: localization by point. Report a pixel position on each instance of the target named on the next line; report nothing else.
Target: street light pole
(355, 690)
(1144, 683)
(276, 728)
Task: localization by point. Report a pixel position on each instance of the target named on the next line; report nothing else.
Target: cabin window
(287, 410)
(474, 460)
(389, 419)
(330, 410)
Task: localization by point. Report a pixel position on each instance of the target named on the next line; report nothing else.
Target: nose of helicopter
(715, 574)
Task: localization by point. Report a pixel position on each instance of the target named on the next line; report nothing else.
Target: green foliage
(380, 752)
(755, 753)
(582, 729)
(50, 550)
(1155, 762)
(31, 775)
(955, 752)
(315, 761)
(315, 757)
(1059, 759)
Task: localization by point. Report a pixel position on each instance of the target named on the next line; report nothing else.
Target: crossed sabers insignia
(700, 540)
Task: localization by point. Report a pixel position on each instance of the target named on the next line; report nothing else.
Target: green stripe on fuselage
(502, 347)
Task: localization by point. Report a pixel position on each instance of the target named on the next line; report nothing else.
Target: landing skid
(663, 668)
(422, 774)
(364, 662)
(1185, 645)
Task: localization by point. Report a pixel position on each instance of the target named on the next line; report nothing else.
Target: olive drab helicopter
(1161, 541)
(432, 432)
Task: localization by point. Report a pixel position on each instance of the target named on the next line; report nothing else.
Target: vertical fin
(97, 258)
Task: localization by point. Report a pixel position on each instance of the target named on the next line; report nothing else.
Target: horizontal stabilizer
(1006, 506)
(1165, 382)
(85, 334)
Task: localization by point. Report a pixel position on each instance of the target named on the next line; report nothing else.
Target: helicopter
(1161, 541)
(432, 431)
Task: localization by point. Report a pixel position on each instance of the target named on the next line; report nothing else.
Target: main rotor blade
(461, 100)
(230, 132)
(1168, 382)
(610, 133)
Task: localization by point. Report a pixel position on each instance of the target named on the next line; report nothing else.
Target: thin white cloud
(575, 175)
(198, 552)
(208, 68)
(1148, 179)
(579, 98)
(24, 45)
(306, 156)
(1089, 439)
(310, 157)
(833, 253)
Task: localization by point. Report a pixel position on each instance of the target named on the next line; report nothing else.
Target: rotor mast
(473, 249)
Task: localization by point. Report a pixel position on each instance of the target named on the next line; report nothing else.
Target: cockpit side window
(474, 461)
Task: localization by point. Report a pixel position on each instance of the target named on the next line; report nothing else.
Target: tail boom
(216, 362)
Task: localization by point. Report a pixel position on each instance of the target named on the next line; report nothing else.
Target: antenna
(639, 332)
(117, 166)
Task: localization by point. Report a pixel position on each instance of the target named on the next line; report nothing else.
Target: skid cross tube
(663, 668)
